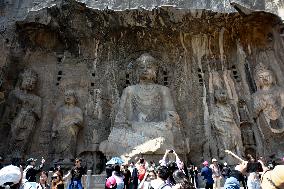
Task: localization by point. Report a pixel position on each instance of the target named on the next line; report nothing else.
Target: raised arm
(178, 161)
(163, 162)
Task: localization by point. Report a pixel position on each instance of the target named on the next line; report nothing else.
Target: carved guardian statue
(225, 124)
(67, 123)
(268, 101)
(24, 108)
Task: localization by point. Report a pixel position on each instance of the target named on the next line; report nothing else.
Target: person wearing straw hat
(273, 179)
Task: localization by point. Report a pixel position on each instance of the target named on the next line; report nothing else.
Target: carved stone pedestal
(139, 138)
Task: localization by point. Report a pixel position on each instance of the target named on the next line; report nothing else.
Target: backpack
(110, 181)
(142, 172)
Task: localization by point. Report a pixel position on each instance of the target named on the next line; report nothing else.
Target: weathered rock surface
(92, 52)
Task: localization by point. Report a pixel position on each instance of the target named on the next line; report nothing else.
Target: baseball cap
(10, 174)
(214, 160)
(205, 163)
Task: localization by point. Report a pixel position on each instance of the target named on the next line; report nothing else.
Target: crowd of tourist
(15, 177)
(142, 174)
(168, 174)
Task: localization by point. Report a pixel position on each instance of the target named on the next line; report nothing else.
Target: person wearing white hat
(31, 170)
(216, 174)
(11, 177)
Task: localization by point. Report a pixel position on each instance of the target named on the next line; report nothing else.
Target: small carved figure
(66, 126)
(94, 106)
(248, 136)
(269, 99)
(243, 111)
(24, 108)
(225, 124)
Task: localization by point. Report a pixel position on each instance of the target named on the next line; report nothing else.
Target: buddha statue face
(70, 98)
(29, 79)
(265, 78)
(146, 68)
(221, 96)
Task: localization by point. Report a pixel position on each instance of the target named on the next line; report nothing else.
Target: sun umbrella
(115, 160)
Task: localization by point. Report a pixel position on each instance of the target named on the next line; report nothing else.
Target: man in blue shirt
(206, 172)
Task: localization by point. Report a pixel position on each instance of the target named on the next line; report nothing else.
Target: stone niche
(208, 60)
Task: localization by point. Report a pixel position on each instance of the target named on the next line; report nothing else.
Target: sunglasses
(55, 177)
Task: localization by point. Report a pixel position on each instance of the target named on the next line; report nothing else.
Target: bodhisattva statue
(268, 101)
(24, 108)
(225, 124)
(146, 120)
(68, 121)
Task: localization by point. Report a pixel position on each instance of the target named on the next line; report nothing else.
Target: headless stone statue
(225, 125)
(269, 99)
(25, 110)
(66, 126)
(146, 116)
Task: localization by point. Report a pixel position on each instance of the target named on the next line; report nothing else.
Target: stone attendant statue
(24, 108)
(66, 126)
(268, 101)
(225, 124)
(146, 116)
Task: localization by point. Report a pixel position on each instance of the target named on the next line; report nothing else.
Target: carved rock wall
(92, 52)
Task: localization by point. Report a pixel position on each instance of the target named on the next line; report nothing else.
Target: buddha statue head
(221, 96)
(263, 76)
(70, 97)
(146, 68)
(28, 80)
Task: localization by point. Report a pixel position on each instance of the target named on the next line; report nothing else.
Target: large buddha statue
(147, 121)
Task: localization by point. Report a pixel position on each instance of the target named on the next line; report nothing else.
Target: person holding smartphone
(233, 182)
(253, 169)
(164, 161)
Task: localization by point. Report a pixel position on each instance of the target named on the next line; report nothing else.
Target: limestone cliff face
(92, 51)
(18, 9)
